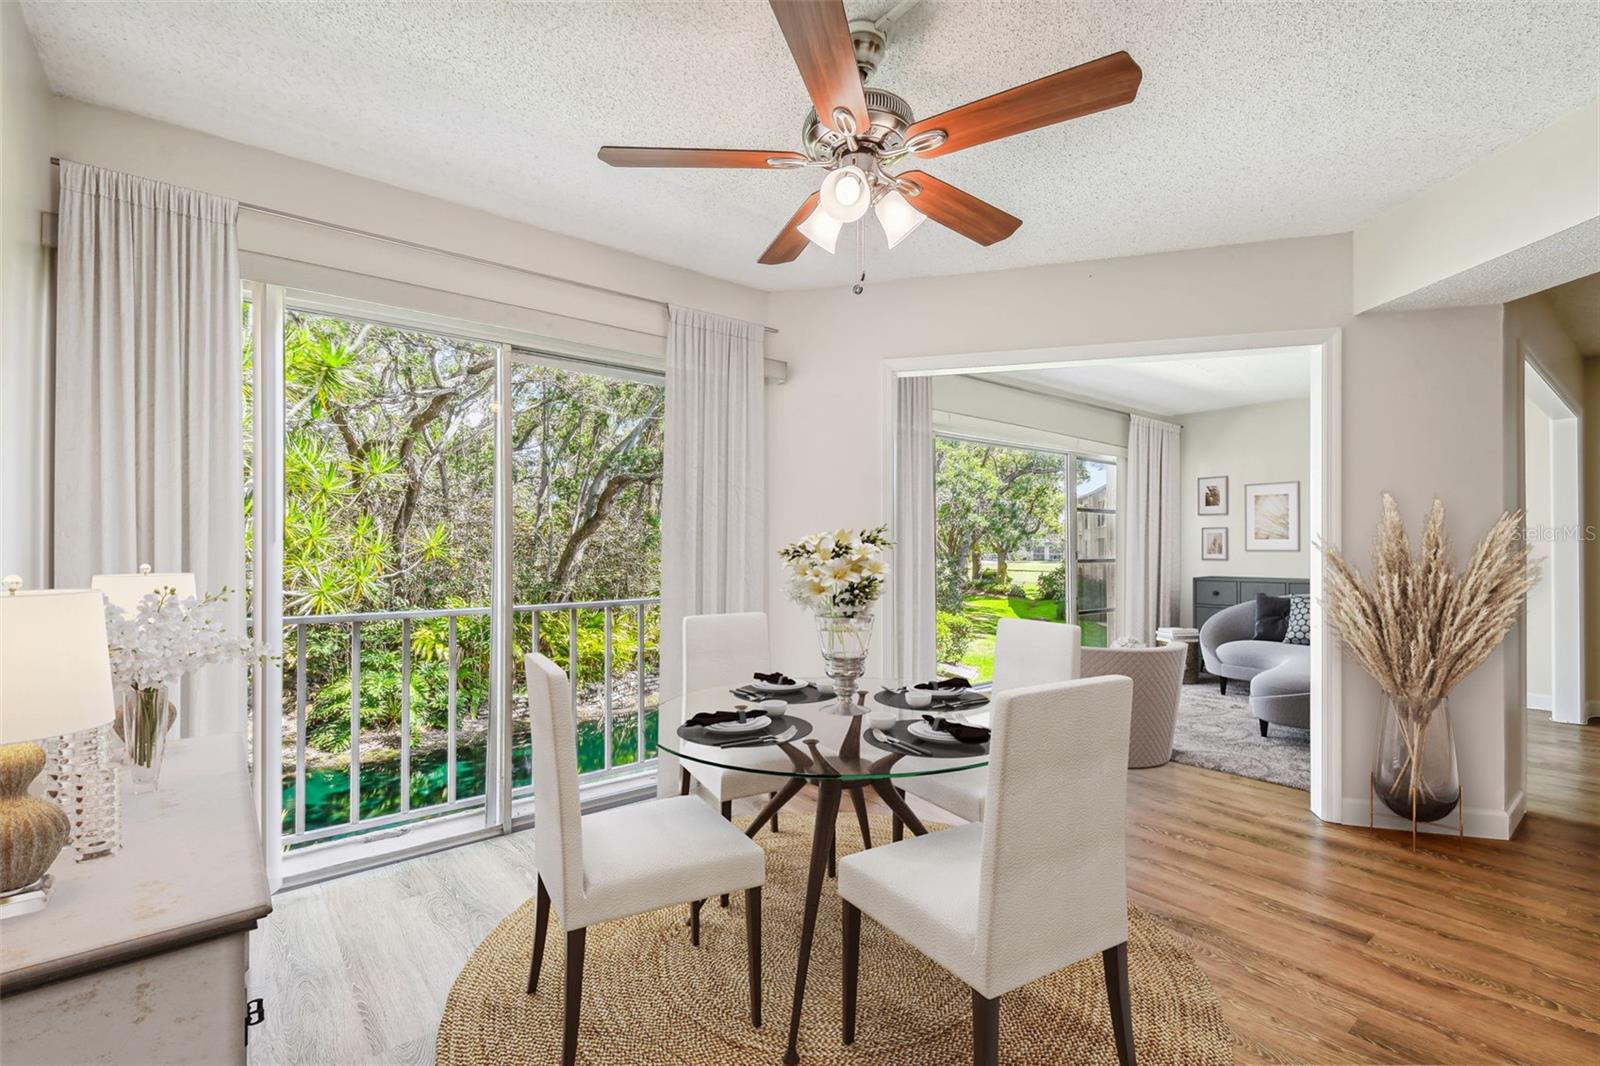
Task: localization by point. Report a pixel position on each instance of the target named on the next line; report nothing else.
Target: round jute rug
(649, 997)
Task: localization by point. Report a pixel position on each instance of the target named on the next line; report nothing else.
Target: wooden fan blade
(1103, 83)
(818, 34)
(960, 211)
(790, 242)
(693, 157)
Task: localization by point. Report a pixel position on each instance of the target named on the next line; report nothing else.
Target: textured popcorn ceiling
(1255, 120)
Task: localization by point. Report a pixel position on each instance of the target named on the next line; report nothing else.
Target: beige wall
(1423, 414)
(24, 297)
(1591, 509)
(1532, 323)
(1261, 442)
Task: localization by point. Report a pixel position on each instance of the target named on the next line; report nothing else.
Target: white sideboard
(142, 957)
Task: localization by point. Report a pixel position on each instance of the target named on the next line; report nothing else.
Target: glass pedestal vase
(146, 716)
(1414, 770)
(845, 640)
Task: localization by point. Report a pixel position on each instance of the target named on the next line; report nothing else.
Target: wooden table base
(830, 793)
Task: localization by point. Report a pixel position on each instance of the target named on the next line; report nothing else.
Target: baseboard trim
(1540, 702)
(1486, 823)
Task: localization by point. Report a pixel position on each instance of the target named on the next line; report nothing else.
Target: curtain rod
(401, 242)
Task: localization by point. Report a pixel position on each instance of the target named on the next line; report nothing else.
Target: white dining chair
(1026, 653)
(623, 861)
(725, 651)
(1039, 885)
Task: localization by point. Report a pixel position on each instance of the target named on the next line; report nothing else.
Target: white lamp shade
(821, 229)
(126, 590)
(55, 671)
(897, 217)
(846, 194)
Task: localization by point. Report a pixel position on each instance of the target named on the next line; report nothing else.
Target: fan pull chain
(861, 259)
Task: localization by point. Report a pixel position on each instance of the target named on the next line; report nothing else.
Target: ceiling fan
(857, 133)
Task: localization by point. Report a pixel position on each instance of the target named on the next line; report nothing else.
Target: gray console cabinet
(1212, 594)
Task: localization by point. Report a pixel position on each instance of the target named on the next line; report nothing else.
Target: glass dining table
(815, 742)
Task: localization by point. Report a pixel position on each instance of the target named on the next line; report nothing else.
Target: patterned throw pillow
(1299, 631)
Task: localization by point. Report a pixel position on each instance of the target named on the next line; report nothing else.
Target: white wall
(1261, 442)
(1539, 623)
(25, 264)
(1423, 414)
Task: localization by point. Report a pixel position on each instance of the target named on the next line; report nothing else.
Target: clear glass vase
(146, 717)
(845, 639)
(81, 775)
(1414, 771)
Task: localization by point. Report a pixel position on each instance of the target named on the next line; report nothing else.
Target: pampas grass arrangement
(1419, 628)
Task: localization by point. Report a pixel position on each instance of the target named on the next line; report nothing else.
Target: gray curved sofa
(1279, 674)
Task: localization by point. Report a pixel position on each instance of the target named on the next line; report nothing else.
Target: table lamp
(126, 590)
(55, 678)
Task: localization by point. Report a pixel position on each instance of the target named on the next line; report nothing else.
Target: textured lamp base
(32, 829)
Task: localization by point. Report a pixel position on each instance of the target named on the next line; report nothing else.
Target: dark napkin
(777, 677)
(967, 734)
(705, 718)
(949, 684)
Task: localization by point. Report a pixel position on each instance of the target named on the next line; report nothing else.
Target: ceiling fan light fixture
(897, 217)
(846, 194)
(821, 229)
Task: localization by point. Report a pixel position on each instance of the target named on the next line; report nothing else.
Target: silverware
(898, 745)
(781, 738)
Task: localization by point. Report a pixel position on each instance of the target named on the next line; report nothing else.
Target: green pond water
(328, 791)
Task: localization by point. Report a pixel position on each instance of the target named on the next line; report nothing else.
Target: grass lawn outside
(1027, 574)
(985, 612)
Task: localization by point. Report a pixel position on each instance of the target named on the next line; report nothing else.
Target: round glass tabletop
(815, 741)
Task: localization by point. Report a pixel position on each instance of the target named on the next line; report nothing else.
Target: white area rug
(1218, 732)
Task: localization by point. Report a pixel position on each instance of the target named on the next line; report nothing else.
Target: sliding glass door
(447, 503)
(389, 463)
(1093, 546)
(1023, 532)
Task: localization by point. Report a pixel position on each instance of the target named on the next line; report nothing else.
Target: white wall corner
(1534, 191)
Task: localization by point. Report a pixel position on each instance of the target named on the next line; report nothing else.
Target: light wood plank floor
(1325, 943)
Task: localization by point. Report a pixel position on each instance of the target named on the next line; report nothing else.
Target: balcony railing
(330, 794)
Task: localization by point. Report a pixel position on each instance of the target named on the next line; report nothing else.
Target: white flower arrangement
(837, 573)
(168, 637)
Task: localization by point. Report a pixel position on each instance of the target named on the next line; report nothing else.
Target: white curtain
(1149, 597)
(713, 506)
(912, 576)
(148, 462)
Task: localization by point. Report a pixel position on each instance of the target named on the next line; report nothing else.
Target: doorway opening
(1319, 351)
(1553, 474)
